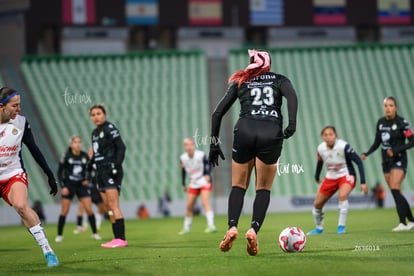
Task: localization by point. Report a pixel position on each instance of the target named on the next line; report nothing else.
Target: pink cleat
(115, 243)
(227, 243)
(252, 246)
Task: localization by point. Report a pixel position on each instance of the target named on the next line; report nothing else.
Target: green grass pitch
(368, 248)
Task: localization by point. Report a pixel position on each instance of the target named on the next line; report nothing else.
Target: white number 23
(257, 92)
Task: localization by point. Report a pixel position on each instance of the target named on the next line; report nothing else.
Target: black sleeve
(183, 176)
(60, 173)
(222, 107)
(87, 172)
(288, 91)
(351, 154)
(408, 133)
(119, 151)
(376, 144)
(318, 170)
(29, 141)
(206, 167)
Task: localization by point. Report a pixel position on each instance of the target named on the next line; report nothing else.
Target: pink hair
(259, 64)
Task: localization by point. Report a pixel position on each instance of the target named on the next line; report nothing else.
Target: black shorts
(398, 162)
(77, 189)
(106, 180)
(95, 195)
(257, 138)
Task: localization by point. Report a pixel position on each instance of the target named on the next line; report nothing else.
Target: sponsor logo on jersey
(272, 113)
(4, 148)
(265, 77)
(6, 151)
(258, 84)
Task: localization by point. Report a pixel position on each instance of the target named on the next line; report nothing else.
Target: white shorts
(199, 183)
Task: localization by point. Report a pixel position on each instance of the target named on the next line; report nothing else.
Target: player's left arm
(29, 141)
(206, 168)
(119, 149)
(408, 133)
(86, 173)
(289, 92)
(351, 154)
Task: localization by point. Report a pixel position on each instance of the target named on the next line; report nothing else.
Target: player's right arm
(319, 165)
(288, 91)
(375, 145)
(183, 175)
(222, 107)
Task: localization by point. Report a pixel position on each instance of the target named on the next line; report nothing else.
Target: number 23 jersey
(261, 98)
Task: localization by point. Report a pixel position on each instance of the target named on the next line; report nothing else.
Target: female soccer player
(340, 176)
(96, 199)
(108, 155)
(15, 129)
(73, 178)
(392, 131)
(258, 138)
(195, 163)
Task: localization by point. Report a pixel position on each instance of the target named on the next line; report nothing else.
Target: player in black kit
(74, 179)
(108, 155)
(391, 132)
(258, 138)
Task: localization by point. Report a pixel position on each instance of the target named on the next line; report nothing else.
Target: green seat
(155, 99)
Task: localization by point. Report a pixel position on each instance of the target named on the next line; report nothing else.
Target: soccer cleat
(227, 242)
(315, 231)
(59, 239)
(115, 243)
(79, 230)
(184, 232)
(96, 237)
(400, 227)
(210, 229)
(252, 244)
(341, 229)
(410, 226)
(51, 259)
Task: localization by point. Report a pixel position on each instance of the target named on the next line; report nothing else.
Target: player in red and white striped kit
(195, 163)
(15, 130)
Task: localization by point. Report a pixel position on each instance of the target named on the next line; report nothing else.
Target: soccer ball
(292, 239)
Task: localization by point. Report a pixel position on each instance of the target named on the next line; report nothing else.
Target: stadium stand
(342, 86)
(157, 98)
(154, 98)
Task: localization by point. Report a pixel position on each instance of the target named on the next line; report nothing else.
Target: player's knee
(21, 208)
(318, 205)
(342, 197)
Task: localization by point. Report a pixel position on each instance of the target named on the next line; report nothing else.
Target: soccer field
(368, 248)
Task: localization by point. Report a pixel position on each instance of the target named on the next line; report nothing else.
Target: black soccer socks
(260, 205)
(403, 208)
(236, 200)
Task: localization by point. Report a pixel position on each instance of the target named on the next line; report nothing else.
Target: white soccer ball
(292, 239)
